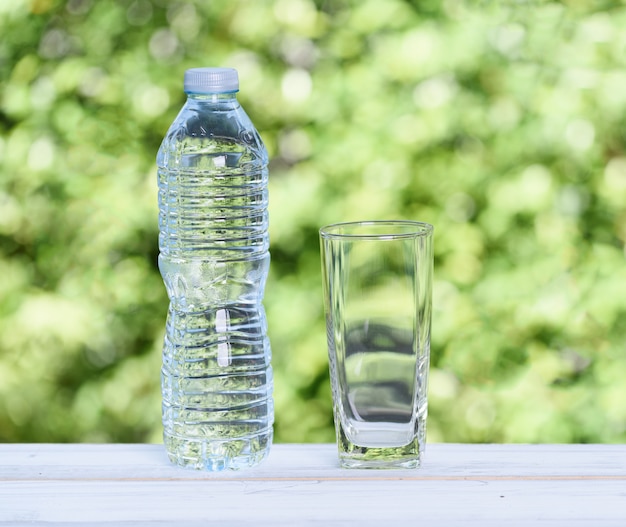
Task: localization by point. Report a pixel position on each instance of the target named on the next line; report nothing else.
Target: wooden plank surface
(487, 485)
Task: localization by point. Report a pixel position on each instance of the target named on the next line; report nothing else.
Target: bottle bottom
(212, 455)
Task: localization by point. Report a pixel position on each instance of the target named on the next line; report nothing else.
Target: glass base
(379, 457)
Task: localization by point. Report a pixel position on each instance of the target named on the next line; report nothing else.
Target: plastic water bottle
(214, 258)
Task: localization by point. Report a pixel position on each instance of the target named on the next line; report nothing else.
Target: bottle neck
(216, 98)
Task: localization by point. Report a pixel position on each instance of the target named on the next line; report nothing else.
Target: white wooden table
(300, 485)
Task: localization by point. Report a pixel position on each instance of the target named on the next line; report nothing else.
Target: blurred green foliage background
(502, 123)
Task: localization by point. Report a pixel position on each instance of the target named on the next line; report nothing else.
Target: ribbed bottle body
(214, 259)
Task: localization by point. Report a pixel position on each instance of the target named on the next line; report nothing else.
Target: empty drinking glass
(377, 289)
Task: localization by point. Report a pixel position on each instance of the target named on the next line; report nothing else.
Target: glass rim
(380, 230)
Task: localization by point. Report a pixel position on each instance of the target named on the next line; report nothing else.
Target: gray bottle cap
(211, 80)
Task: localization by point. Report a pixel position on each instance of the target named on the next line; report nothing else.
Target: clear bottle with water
(214, 258)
